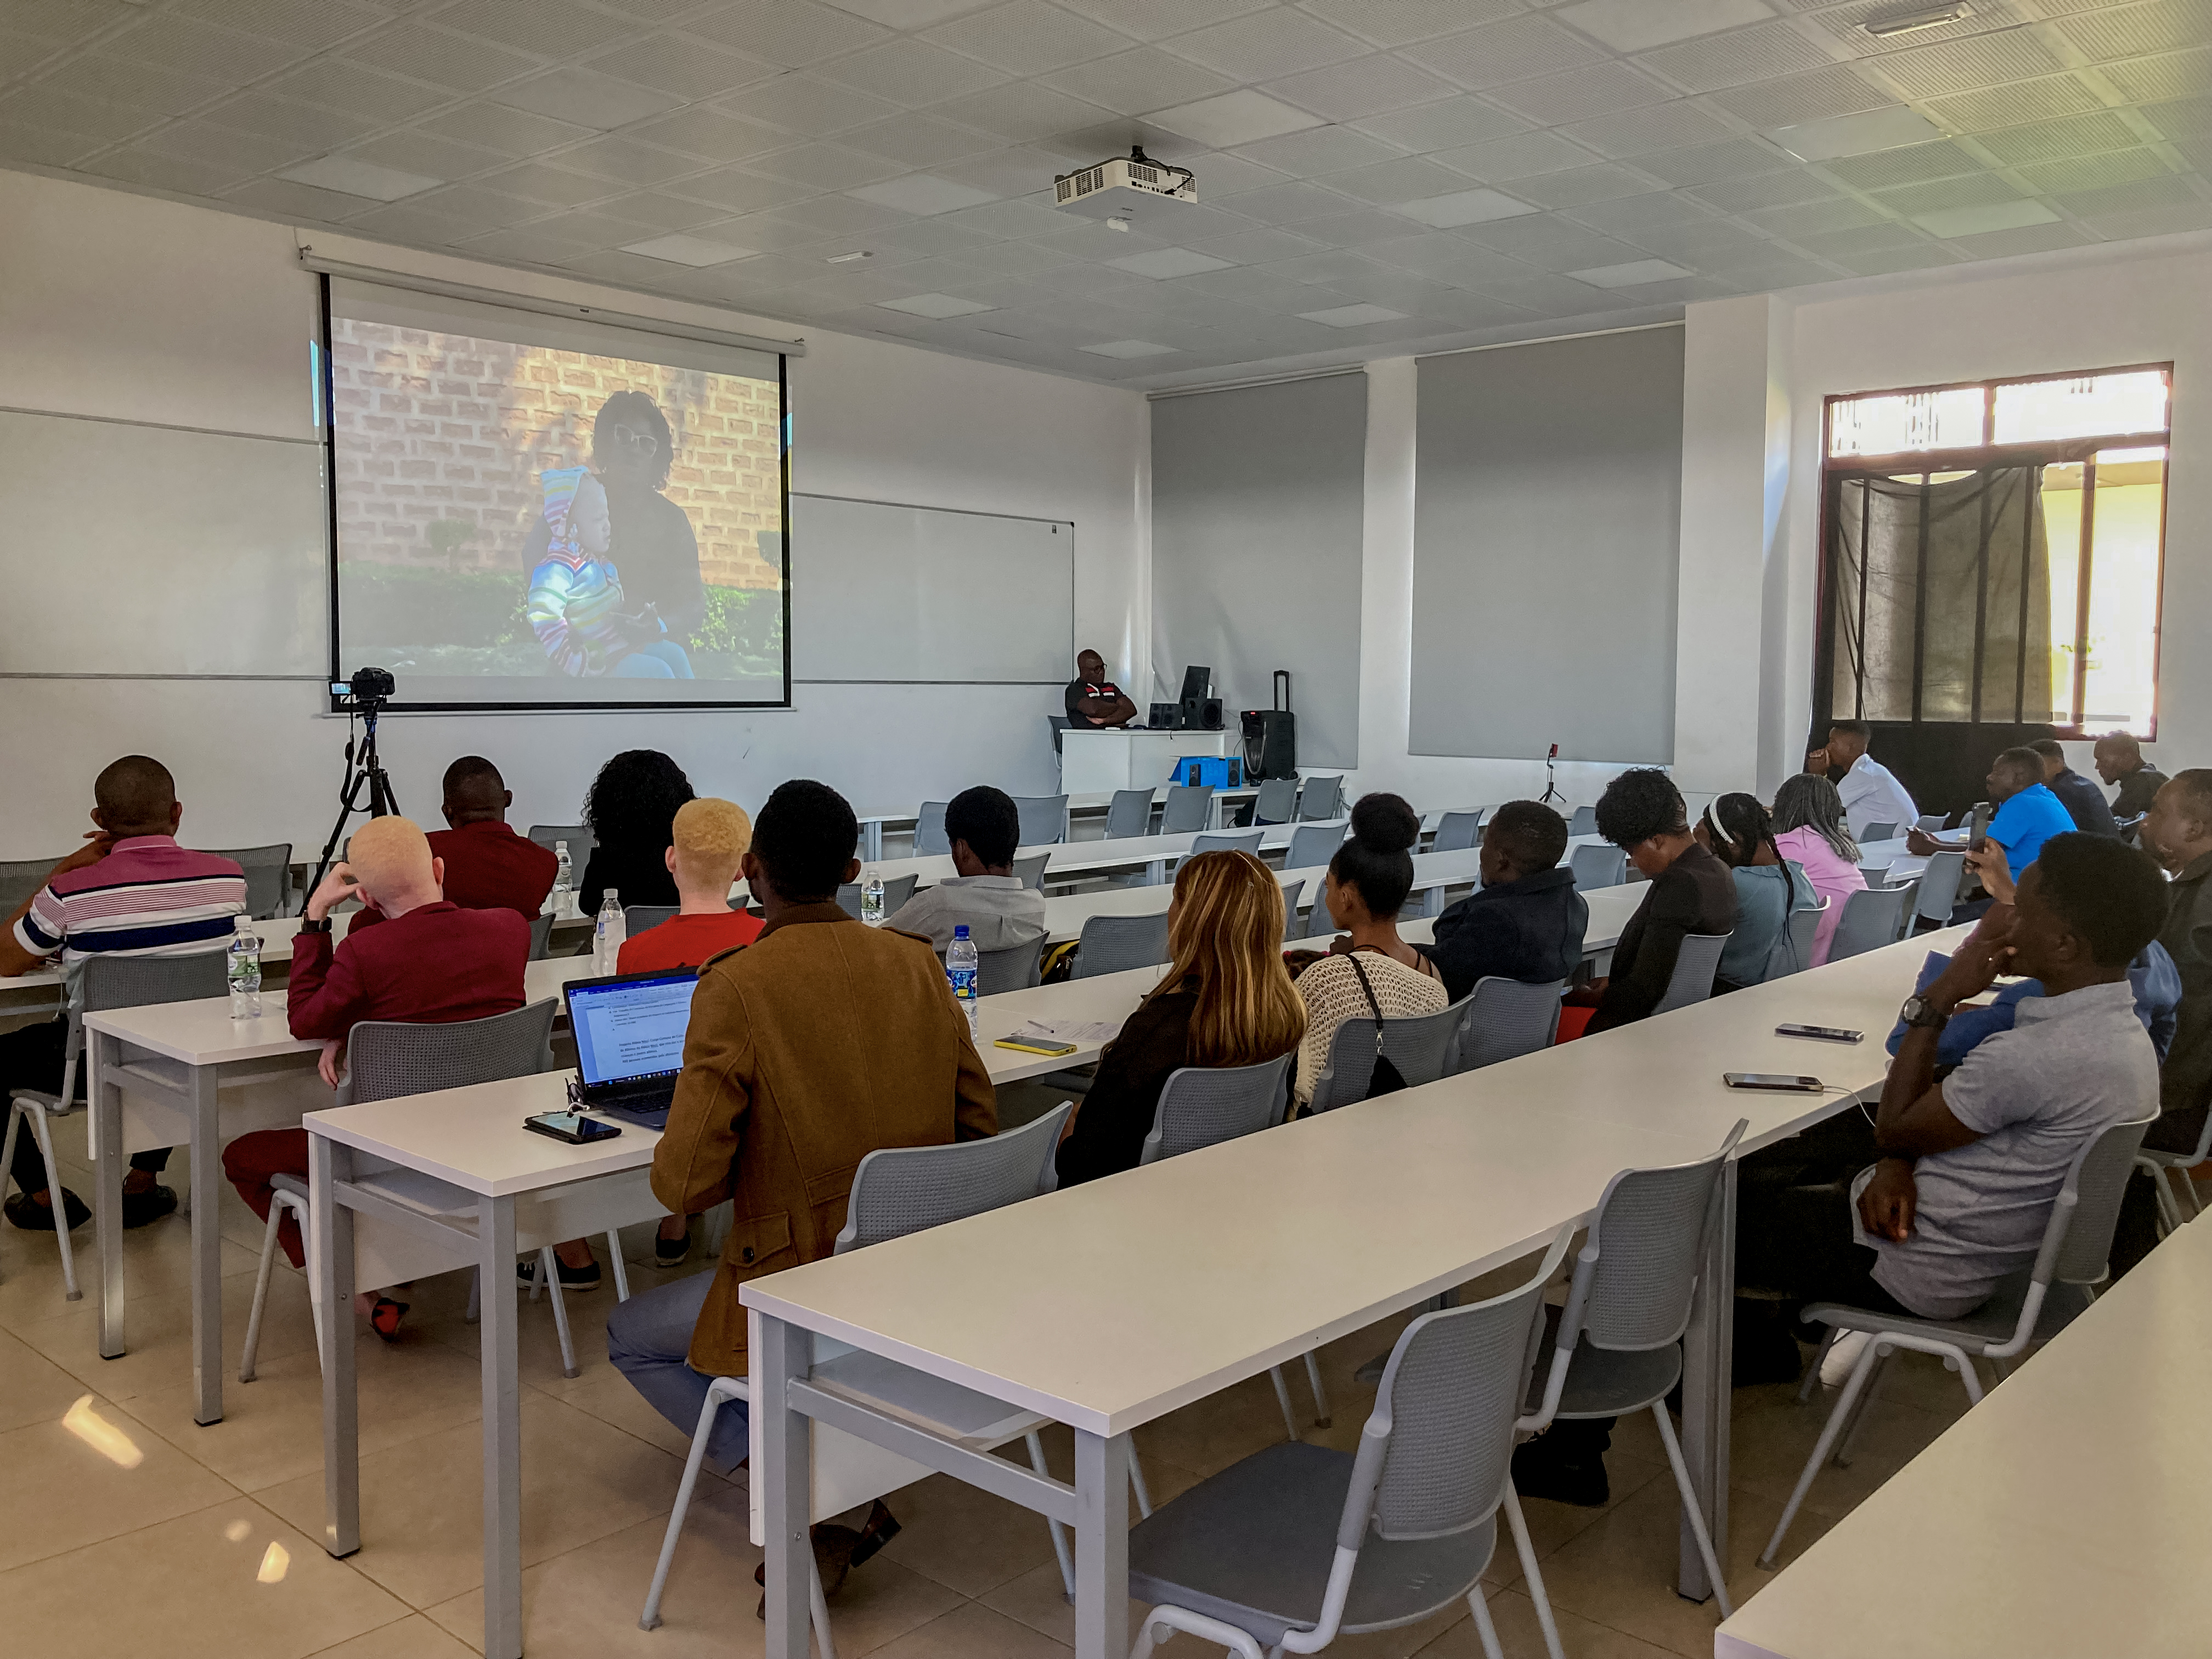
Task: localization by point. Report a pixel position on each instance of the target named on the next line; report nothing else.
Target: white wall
(122, 307)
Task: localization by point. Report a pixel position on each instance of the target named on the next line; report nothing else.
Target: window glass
(2084, 406)
(1893, 424)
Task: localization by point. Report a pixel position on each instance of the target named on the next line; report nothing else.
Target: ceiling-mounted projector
(1133, 188)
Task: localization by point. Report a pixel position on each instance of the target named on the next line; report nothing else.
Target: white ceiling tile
(1733, 60)
(2175, 74)
(1893, 128)
(187, 47)
(1028, 37)
(1630, 274)
(172, 173)
(688, 250)
(556, 186)
(1169, 262)
(1964, 65)
(2008, 240)
(1577, 95)
(1656, 126)
(358, 177)
(648, 207)
(1022, 112)
(1766, 189)
(549, 28)
(1399, 22)
(739, 190)
(690, 69)
(2085, 173)
(802, 104)
(1231, 175)
(1140, 80)
(1914, 164)
(1009, 172)
(1234, 118)
(2023, 101)
(196, 141)
(2138, 31)
(1353, 316)
(2153, 222)
(1521, 156)
(509, 131)
(1580, 186)
(825, 166)
(1842, 23)
(1975, 190)
(908, 14)
(1465, 120)
(2050, 141)
(1151, 19)
(2169, 192)
(1373, 85)
(1842, 214)
(419, 152)
(1264, 46)
(311, 127)
(1465, 207)
(935, 305)
(335, 84)
(1706, 163)
(1007, 258)
(910, 71)
(304, 202)
(1638, 25)
(144, 86)
(1356, 229)
(1797, 99)
(1011, 219)
(917, 141)
(1633, 216)
(710, 134)
(1405, 180)
(1514, 49)
(311, 23)
(1323, 150)
(841, 215)
(922, 193)
(1128, 348)
(789, 33)
(1261, 246)
(620, 158)
(587, 99)
(443, 58)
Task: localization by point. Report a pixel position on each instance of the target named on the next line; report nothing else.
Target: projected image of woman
(632, 450)
(577, 605)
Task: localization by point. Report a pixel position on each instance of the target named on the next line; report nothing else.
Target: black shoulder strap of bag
(1386, 1078)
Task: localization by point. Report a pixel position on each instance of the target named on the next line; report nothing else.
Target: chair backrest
(1793, 947)
(637, 918)
(1278, 801)
(1421, 1046)
(1319, 923)
(268, 875)
(1506, 1019)
(1931, 822)
(1201, 1105)
(897, 892)
(1695, 964)
(1437, 1447)
(1029, 872)
(1044, 819)
(1227, 841)
(2088, 1209)
(1875, 875)
(1313, 845)
(1583, 822)
(1058, 723)
(1598, 865)
(1112, 944)
(578, 837)
(117, 981)
(1321, 797)
(1458, 831)
(1870, 920)
(387, 1058)
(1014, 969)
(1939, 888)
(1189, 806)
(20, 877)
(897, 1190)
(1129, 813)
(1293, 923)
(1880, 832)
(929, 835)
(541, 936)
(1638, 1269)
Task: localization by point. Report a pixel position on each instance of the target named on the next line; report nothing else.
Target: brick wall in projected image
(441, 438)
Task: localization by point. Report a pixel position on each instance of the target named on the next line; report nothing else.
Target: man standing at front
(1094, 701)
(1870, 790)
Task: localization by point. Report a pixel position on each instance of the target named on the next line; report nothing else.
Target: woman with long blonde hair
(1226, 1000)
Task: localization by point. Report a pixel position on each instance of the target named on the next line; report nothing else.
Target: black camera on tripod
(363, 696)
(368, 689)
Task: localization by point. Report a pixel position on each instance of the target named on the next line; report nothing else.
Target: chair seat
(1990, 1325)
(1252, 1545)
(1611, 1383)
(54, 1104)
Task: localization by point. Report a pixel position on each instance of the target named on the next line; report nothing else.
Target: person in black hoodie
(1526, 921)
(1692, 892)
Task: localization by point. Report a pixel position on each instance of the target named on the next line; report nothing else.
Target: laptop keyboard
(646, 1108)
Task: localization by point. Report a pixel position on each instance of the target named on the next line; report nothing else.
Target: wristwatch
(1919, 1011)
(311, 927)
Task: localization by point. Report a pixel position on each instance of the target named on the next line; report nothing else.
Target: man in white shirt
(985, 827)
(1870, 790)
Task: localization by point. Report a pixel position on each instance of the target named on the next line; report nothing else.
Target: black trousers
(31, 1057)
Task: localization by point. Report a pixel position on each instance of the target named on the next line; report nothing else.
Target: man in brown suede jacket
(809, 1048)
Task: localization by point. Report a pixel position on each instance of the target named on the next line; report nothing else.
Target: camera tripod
(364, 768)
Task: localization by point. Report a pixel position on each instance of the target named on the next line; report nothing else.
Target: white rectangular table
(1109, 1304)
(1083, 807)
(1101, 761)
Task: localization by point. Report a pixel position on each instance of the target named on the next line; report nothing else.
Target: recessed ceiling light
(1912, 22)
(934, 305)
(1632, 275)
(1169, 262)
(922, 193)
(847, 258)
(1353, 316)
(1128, 348)
(1856, 134)
(1948, 222)
(697, 250)
(357, 177)
(1464, 207)
(1234, 117)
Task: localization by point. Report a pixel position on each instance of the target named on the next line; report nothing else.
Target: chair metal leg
(1848, 1448)
(2169, 1210)
(1060, 1544)
(1283, 1398)
(818, 1605)
(1812, 1379)
(1696, 1515)
(1137, 1486)
(1483, 1627)
(44, 1137)
(2187, 1184)
(1320, 1394)
(1972, 1378)
(620, 1267)
(721, 1390)
(549, 1273)
(8, 1146)
(261, 1295)
(1527, 1552)
(1853, 1387)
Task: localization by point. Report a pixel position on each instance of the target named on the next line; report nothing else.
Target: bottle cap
(960, 930)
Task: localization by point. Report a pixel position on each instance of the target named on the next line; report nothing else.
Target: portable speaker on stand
(1271, 736)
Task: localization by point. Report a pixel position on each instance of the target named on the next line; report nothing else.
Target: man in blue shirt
(2028, 814)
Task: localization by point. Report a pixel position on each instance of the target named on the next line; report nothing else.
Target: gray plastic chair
(897, 892)
(1875, 875)
(389, 1058)
(1029, 872)
(107, 981)
(1227, 841)
(1128, 814)
(638, 918)
(1298, 1544)
(20, 877)
(1189, 807)
(1793, 946)
(1293, 923)
(1422, 1047)
(1458, 832)
(1618, 1349)
(1203, 1106)
(1014, 969)
(929, 835)
(268, 877)
(1880, 832)
(2168, 1171)
(2031, 1305)
(1695, 964)
(1319, 923)
(1505, 1020)
(1939, 889)
(1583, 822)
(1278, 801)
(1321, 797)
(1871, 921)
(1599, 866)
(1313, 845)
(541, 936)
(1044, 819)
(1113, 945)
(580, 838)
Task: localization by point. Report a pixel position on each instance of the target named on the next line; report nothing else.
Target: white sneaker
(1842, 1357)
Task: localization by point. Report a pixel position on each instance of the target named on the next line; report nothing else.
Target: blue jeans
(648, 1337)
(662, 660)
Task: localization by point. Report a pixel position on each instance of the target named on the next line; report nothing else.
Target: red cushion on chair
(1573, 1022)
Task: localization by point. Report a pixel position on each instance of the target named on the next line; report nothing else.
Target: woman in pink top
(1809, 829)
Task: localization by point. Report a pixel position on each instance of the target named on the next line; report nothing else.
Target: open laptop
(629, 1041)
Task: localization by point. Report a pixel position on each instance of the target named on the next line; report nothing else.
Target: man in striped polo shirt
(129, 890)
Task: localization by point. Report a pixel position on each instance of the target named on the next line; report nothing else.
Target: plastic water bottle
(961, 963)
(607, 940)
(871, 900)
(245, 971)
(565, 883)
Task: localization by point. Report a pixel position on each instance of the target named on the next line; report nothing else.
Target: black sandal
(572, 1279)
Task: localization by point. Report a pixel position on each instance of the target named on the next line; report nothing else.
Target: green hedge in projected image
(439, 622)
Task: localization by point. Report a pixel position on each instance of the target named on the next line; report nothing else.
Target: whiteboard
(138, 550)
(881, 593)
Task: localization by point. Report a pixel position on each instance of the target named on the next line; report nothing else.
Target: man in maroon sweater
(430, 961)
(488, 866)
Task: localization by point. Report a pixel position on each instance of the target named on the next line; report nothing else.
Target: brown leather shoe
(833, 1558)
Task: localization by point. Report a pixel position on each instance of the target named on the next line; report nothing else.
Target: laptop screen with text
(631, 1028)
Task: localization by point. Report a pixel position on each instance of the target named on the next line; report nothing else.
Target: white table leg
(1156, 873)
(787, 1493)
(207, 1246)
(1102, 1546)
(107, 1189)
(1708, 1366)
(871, 839)
(330, 1257)
(503, 1430)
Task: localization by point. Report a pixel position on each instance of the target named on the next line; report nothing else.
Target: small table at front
(1100, 760)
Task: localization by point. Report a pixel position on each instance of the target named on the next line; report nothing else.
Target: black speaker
(1271, 744)
(1209, 714)
(1187, 720)
(1162, 717)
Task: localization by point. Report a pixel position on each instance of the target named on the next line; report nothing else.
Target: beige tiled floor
(205, 1543)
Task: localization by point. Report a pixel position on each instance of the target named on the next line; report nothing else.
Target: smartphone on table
(1779, 1082)
(572, 1126)
(1822, 1033)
